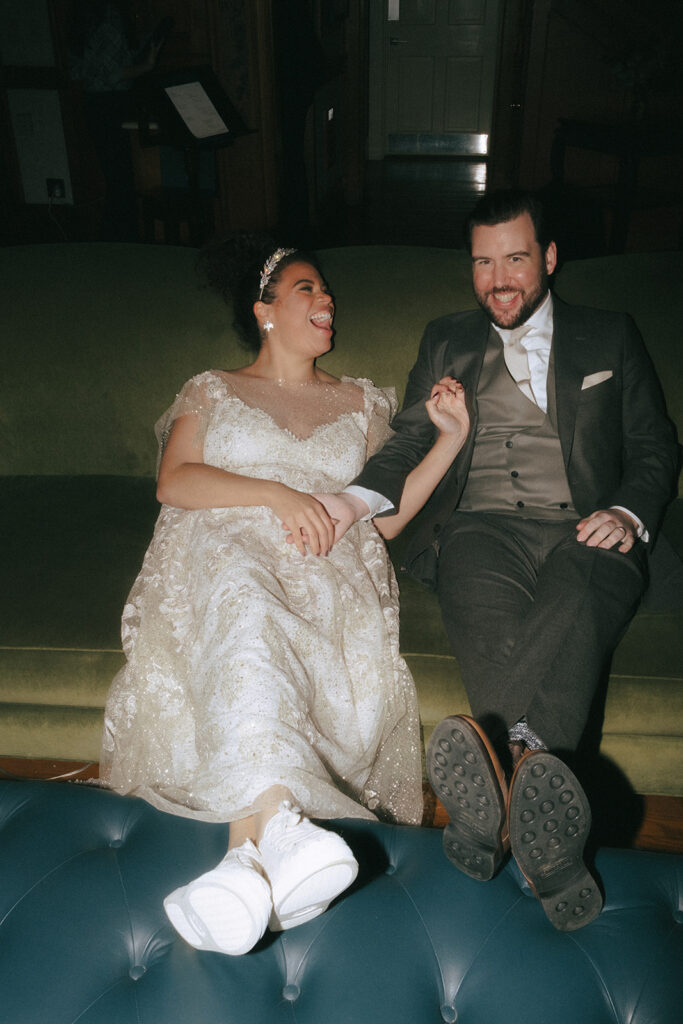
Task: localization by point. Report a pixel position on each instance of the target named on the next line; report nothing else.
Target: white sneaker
(225, 910)
(307, 867)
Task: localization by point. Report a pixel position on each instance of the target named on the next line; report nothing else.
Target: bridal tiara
(270, 265)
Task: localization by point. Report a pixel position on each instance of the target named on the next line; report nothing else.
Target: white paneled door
(432, 76)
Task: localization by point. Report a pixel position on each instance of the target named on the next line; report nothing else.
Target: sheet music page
(196, 110)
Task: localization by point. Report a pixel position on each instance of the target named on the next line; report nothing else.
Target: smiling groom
(536, 542)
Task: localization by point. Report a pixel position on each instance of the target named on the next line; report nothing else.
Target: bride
(263, 682)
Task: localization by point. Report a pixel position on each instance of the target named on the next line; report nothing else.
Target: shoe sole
(466, 776)
(215, 919)
(550, 819)
(313, 895)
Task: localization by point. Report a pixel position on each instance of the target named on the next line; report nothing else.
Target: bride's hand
(305, 519)
(446, 408)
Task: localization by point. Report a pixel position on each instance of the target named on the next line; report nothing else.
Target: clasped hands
(316, 522)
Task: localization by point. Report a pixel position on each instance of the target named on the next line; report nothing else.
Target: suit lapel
(463, 358)
(570, 342)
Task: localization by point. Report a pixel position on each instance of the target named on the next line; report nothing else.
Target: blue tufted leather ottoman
(83, 936)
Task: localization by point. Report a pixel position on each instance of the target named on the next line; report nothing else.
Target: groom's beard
(532, 299)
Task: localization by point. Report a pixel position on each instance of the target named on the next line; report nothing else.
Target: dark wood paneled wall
(557, 59)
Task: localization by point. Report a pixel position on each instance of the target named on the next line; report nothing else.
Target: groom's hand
(343, 509)
(607, 528)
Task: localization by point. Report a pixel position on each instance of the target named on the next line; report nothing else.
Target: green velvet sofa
(96, 341)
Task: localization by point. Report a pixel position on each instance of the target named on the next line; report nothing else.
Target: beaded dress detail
(248, 665)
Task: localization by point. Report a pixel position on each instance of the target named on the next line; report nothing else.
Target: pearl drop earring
(268, 325)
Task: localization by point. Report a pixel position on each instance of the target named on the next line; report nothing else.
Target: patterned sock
(521, 732)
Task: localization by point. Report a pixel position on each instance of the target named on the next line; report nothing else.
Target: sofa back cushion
(98, 338)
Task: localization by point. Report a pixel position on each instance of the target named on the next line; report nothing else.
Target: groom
(536, 542)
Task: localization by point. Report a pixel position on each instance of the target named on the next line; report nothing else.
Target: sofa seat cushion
(83, 935)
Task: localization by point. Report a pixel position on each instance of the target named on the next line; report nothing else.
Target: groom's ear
(550, 257)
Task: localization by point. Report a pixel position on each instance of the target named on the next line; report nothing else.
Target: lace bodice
(285, 426)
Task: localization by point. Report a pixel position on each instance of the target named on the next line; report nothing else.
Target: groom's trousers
(533, 616)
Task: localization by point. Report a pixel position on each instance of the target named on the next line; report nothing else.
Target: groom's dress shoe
(467, 777)
(549, 820)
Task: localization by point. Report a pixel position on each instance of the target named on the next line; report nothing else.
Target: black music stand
(190, 111)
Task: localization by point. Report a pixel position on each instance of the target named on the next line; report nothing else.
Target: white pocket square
(596, 378)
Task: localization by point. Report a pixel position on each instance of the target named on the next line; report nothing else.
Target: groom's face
(510, 270)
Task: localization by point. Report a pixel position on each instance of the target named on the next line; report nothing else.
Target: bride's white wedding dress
(249, 665)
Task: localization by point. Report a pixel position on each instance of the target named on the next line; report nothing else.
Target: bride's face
(302, 310)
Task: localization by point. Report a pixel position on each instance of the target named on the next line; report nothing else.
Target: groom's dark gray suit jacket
(618, 445)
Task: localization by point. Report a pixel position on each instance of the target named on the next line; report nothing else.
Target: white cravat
(527, 353)
(517, 360)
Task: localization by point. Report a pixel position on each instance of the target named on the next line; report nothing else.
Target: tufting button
(390, 869)
(115, 844)
(137, 971)
(291, 992)
(449, 1013)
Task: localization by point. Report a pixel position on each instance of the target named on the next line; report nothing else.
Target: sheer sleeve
(197, 397)
(381, 406)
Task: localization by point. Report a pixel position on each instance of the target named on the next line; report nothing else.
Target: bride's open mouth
(322, 320)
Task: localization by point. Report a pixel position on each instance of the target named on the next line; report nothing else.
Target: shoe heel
(550, 818)
(466, 776)
(313, 895)
(225, 910)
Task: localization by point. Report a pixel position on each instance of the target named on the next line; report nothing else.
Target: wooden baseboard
(47, 770)
(660, 827)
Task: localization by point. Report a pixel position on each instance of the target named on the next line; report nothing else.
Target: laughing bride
(263, 683)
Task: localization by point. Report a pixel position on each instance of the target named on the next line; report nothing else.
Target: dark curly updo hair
(232, 266)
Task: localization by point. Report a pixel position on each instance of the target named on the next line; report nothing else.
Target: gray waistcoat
(517, 463)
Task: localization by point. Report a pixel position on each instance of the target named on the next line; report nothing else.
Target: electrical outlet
(55, 188)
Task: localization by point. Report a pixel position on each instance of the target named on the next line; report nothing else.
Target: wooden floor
(660, 829)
